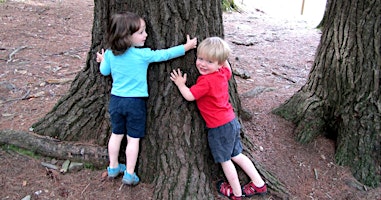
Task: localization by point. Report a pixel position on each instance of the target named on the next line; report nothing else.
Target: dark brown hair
(120, 28)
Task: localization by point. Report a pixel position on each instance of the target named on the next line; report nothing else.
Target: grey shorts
(225, 141)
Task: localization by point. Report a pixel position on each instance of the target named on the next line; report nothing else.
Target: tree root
(47, 146)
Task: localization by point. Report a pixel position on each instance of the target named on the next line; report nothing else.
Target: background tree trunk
(174, 154)
(342, 95)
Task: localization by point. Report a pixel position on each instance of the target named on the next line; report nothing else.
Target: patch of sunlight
(311, 11)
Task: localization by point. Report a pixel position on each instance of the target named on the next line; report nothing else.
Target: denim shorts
(225, 141)
(128, 115)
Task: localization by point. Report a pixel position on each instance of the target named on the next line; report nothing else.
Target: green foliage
(229, 5)
(89, 166)
(3, 1)
(21, 151)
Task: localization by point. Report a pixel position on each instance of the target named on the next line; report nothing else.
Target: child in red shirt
(211, 93)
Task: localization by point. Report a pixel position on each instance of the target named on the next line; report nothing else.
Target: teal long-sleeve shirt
(129, 70)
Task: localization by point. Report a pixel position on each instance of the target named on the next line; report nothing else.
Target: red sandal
(224, 188)
(235, 198)
(250, 189)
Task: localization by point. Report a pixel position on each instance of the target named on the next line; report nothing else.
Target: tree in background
(341, 98)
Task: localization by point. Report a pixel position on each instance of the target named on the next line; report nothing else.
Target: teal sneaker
(130, 179)
(114, 172)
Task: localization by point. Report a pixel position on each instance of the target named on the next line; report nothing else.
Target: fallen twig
(246, 43)
(59, 81)
(85, 188)
(72, 72)
(24, 97)
(316, 174)
(121, 186)
(14, 52)
(286, 78)
(49, 166)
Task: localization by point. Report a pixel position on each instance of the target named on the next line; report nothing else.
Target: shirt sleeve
(164, 54)
(226, 72)
(200, 88)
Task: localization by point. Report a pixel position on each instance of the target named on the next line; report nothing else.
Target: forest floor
(44, 44)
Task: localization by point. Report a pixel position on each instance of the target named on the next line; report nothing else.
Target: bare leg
(113, 149)
(132, 151)
(248, 167)
(232, 176)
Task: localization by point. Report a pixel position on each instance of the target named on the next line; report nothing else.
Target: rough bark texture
(174, 155)
(82, 114)
(342, 95)
(65, 150)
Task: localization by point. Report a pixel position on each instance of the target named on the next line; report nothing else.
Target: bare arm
(191, 43)
(180, 80)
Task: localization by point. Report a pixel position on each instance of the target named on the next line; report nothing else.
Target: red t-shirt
(211, 92)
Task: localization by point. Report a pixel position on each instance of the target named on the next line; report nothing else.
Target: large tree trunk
(174, 154)
(175, 150)
(342, 95)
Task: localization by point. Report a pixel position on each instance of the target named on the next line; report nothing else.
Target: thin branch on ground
(284, 77)
(14, 52)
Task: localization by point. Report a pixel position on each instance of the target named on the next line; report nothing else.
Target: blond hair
(214, 48)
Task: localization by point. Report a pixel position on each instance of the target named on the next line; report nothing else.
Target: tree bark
(174, 155)
(82, 115)
(341, 98)
(64, 150)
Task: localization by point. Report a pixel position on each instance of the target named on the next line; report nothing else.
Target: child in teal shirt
(127, 64)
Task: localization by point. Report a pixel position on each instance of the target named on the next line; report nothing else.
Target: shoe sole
(132, 181)
(114, 176)
(129, 183)
(256, 194)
